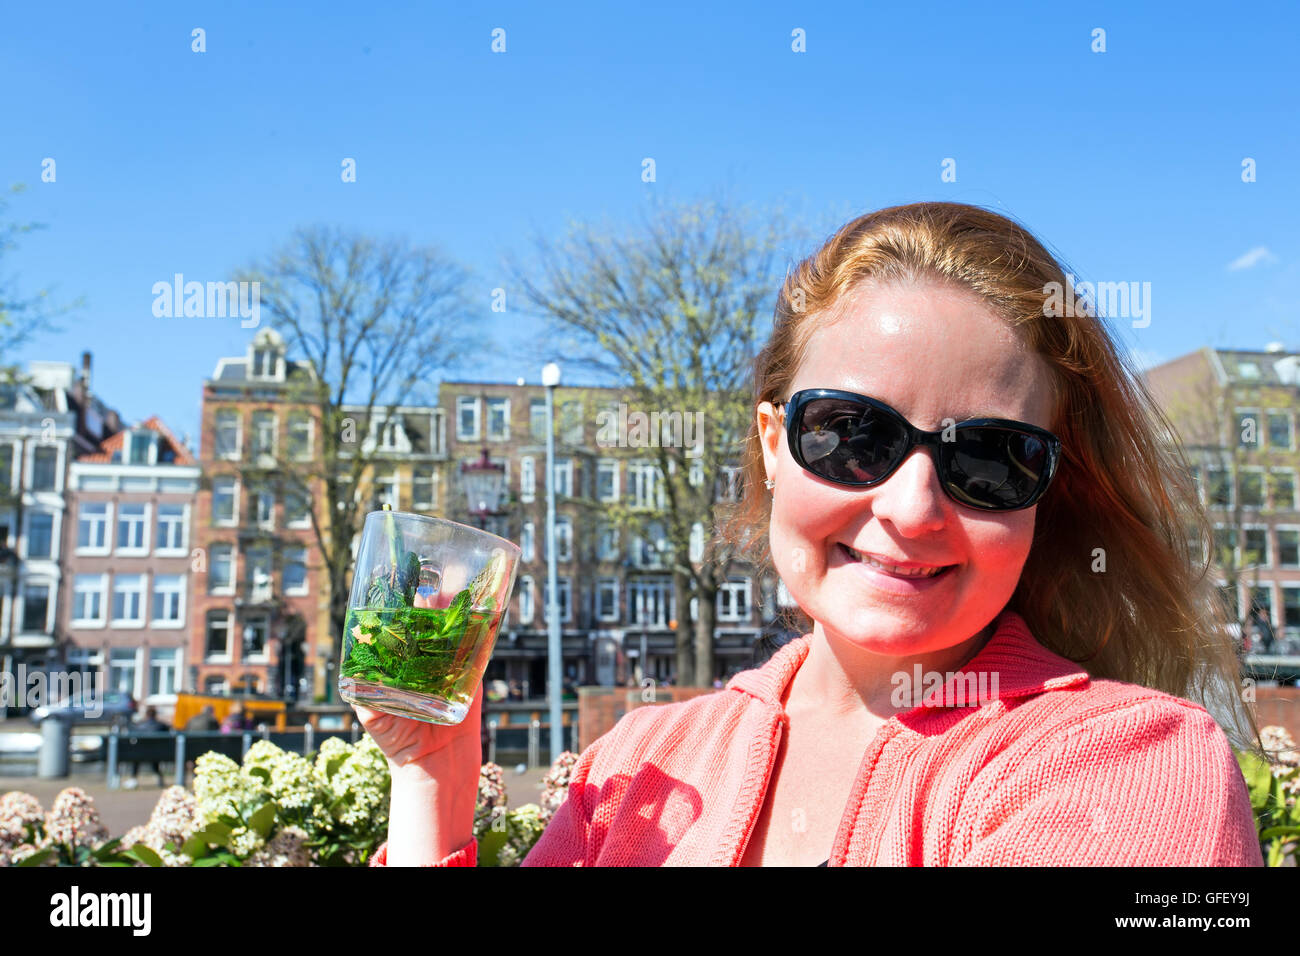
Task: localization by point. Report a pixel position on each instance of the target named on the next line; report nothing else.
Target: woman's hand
(451, 753)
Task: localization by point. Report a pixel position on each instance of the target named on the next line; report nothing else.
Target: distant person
(516, 692)
(236, 721)
(148, 724)
(205, 721)
(717, 683)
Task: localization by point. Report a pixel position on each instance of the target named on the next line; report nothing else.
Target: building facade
(127, 560)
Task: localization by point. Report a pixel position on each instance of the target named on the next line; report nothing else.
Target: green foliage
(1277, 816)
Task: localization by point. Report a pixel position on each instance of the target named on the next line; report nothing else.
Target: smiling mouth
(930, 571)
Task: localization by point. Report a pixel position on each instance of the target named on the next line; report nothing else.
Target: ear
(770, 427)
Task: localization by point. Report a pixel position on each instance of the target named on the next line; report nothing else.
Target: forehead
(932, 352)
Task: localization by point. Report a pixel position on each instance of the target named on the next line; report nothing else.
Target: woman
(1011, 652)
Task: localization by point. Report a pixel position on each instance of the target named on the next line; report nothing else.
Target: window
(392, 436)
(733, 600)
(1219, 489)
(607, 599)
(221, 569)
(1283, 489)
(1290, 607)
(88, 600)
(650, 602)
(295, 571)
(388, 490)
(1249, 423)
(498, 419)
(564, 477)
(527, 542)
(1279, 430)
(257, 565)
(255, 638)
(728, 488)
(131, 520)
(563, 597)
(121, 670)
(1288, 548)
(467, 413)
(607, 480)
(216, 685)
(300, 436)
(164, 668)
(40, 534)
(217, 645)
(36, 606)
(649, 547)
(265, 363)
(225, 492)
(1252, 488)
(45, 461)
(424, 489)
(261, 507)
(227, 435)
(263, 433)
(697, 542)
(1256, 548)
(128, 600)
(141, 447)
(171, 528)
(645, 485)
(537, 418)
(563, 538)
(168, 600)
(607, 543)
(527, 479)
(1261, 599)
(526, 599)
(296, 513)
(7, 466)
(1225, 546)
(696, 474)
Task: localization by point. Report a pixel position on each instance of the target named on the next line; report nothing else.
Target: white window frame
(432, 502)
(143, 593)
(1261, 427)
(1295, 488)
(697, 542)
(564, 590)
(1230, 483)
(27, 534)
(528, 541)
(603, 587)
(504, 434)
(229, 586)
(183, 548)
(605, 464)
(637, 591)
(264, 655)
(563, 466)
(239, 434)
(1290, 427)
(288, 554)
(146, 526)
(30, 468)
(1263, 486)
(727, 591)
(1268, 545)
(611, 553)
(258, 417)
(256, 592)
(51, 592)
(112, 667)
(298, 418)
(228, 655)
(1294, 529)
(469, 402)
(638, 472)
(527, 599)
(234, 510)
(563, 538)
(163, 659)
(179, 591)
(527, 478)
(696, 473)
(305, 520)
(102, 591)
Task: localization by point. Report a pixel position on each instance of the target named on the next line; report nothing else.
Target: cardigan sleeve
(466, 855)
(1150, 783)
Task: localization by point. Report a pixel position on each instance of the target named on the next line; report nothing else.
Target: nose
(911, 498)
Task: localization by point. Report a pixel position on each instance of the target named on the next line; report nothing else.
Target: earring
(770, 484)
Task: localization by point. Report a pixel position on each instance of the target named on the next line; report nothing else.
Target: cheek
(804, 519)
(1000, 548)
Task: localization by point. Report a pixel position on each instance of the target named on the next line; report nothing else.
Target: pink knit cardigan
(1052, 769)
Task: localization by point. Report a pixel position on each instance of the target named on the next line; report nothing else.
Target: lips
(900, 569)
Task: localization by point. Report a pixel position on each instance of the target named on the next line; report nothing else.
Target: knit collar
(1023, 667)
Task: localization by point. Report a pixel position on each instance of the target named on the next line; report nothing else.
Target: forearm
(428, 818)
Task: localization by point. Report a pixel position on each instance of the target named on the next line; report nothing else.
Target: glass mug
(426, 604)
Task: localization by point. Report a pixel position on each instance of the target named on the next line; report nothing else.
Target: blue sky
(1127, 163)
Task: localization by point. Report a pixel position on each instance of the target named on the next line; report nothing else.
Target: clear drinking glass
(427, 598)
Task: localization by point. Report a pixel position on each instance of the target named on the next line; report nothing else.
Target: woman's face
(931, 352)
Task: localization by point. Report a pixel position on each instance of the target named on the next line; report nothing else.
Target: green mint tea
(434, 651)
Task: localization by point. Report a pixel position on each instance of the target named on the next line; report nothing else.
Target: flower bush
(1274, 787)
(70, 834)
(504, 836)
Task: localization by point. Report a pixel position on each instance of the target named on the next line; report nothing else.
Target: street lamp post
(550, 379)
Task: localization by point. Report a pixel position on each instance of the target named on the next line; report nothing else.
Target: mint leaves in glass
(427, 599)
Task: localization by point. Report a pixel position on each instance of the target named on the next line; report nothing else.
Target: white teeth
(892, 569)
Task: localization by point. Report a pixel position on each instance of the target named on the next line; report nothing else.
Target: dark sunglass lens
(996, 468)
(842, 440)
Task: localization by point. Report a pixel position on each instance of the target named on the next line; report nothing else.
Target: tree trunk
(704, 635)
(685, 636)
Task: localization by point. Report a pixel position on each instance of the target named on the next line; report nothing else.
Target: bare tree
(669, 310)
(20, 318)
(376, 320)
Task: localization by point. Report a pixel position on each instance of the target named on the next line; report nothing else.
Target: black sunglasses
(993, 464)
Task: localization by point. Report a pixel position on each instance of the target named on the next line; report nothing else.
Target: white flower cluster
(490, 811)
(286, 848)
(21, 820)
(360, 788)
(555, 785)
(1284, 757)
(174, 820)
